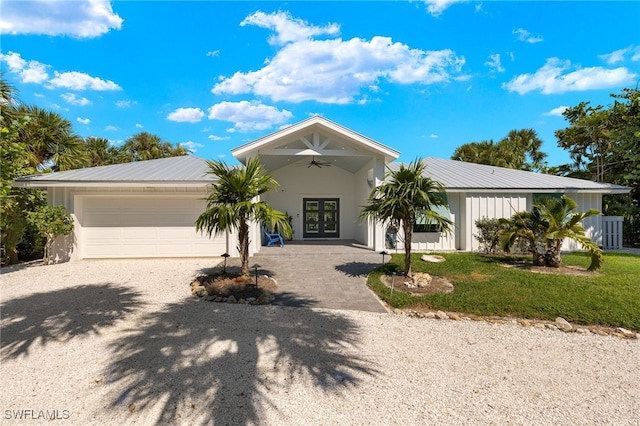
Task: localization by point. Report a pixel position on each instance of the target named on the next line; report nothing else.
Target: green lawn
(484, 287)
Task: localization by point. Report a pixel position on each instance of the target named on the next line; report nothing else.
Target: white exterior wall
(434, 241)
(156, 239)
(297, 183)
(507, 204)
(593, 224)
(492, 205)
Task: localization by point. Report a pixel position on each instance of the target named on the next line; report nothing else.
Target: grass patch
(483, 286)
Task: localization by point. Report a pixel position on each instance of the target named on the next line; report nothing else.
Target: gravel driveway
(122, 342)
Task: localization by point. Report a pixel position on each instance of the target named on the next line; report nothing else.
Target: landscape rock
(432, 258)
(232, 299)
(421, 279)
(626, 333)
(563, 324)
(441, 315)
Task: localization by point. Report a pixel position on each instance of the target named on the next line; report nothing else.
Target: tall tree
(50, 140)
(100, 152)
(406, 195)
(604, 144)
(14, 162)
(146, 146)
(588, 139)
(520, 149)
(232, 204)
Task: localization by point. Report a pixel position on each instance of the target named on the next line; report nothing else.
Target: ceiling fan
(318, 163)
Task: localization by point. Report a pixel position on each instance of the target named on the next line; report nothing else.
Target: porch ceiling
(350, 164)
(315, 137)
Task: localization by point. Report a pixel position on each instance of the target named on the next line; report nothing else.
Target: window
(424, 224)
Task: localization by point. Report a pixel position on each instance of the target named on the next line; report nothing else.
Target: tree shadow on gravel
(62, 314)
(357, 269)
(203, 363)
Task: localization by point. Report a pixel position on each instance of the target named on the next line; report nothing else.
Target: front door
(321, 218)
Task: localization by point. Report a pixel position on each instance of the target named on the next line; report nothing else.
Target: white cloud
(556, 112)
(213, 53)
(190, 115)
(124, 104)
(495, 63)
(218, 138)
(83, 120)
(615, 56)
(436, 7)
(79, 18)
(191, 146)
(75, 80)
(110, 129)
(72, 99)
(36, 72)
(527, 37)
(287, 28)
(553, 78)
(433, 136)
(248, 116)
(335, 70)
(621, 54)
(139, 126)
(28, 71)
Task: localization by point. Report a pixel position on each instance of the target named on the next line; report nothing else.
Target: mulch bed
(229, 284)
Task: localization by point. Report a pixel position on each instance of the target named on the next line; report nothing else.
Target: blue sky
(423, 77)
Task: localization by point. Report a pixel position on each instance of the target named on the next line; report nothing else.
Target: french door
(321, 218)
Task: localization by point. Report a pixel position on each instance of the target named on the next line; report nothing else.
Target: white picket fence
(612, 232)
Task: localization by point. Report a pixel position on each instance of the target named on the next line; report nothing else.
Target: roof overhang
(318, 137)
(44, 184)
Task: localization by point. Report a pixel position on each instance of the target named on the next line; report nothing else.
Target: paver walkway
(322, 274)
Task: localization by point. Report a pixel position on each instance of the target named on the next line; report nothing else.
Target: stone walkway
(321, 274)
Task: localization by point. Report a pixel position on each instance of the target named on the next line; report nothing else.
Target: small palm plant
(550, 222)
(232, 203)
(406, 196)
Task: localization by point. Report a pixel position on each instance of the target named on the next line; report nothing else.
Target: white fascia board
(605, 191)
(241, 152)
(138, 184)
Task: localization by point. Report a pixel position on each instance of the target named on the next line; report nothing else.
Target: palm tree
(546, 227)
(405, 196)
(146, 146)
(524, 146)
(563, 221)
(100, 151)
(50, 140)
(232, 203)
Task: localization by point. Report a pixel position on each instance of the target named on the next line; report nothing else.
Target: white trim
(243, 151)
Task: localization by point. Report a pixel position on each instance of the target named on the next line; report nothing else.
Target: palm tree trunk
(408, 231)
(243, 241)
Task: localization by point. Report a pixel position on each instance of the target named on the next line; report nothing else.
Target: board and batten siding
(491, 205)
(436, 241)
(593, 224)
(506, 205)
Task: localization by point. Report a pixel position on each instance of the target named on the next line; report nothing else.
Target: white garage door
(145, 226)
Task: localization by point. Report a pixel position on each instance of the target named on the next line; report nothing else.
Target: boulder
(563, 324)
(432, 258)
(421, 279)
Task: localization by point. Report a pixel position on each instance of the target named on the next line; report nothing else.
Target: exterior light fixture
(383, 253)
(224, 268)
(256, 266)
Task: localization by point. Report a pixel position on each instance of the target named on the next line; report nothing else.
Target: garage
(143, 225)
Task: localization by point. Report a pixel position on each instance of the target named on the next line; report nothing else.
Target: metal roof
(192, 171)
(458, 175)
(186, 169)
